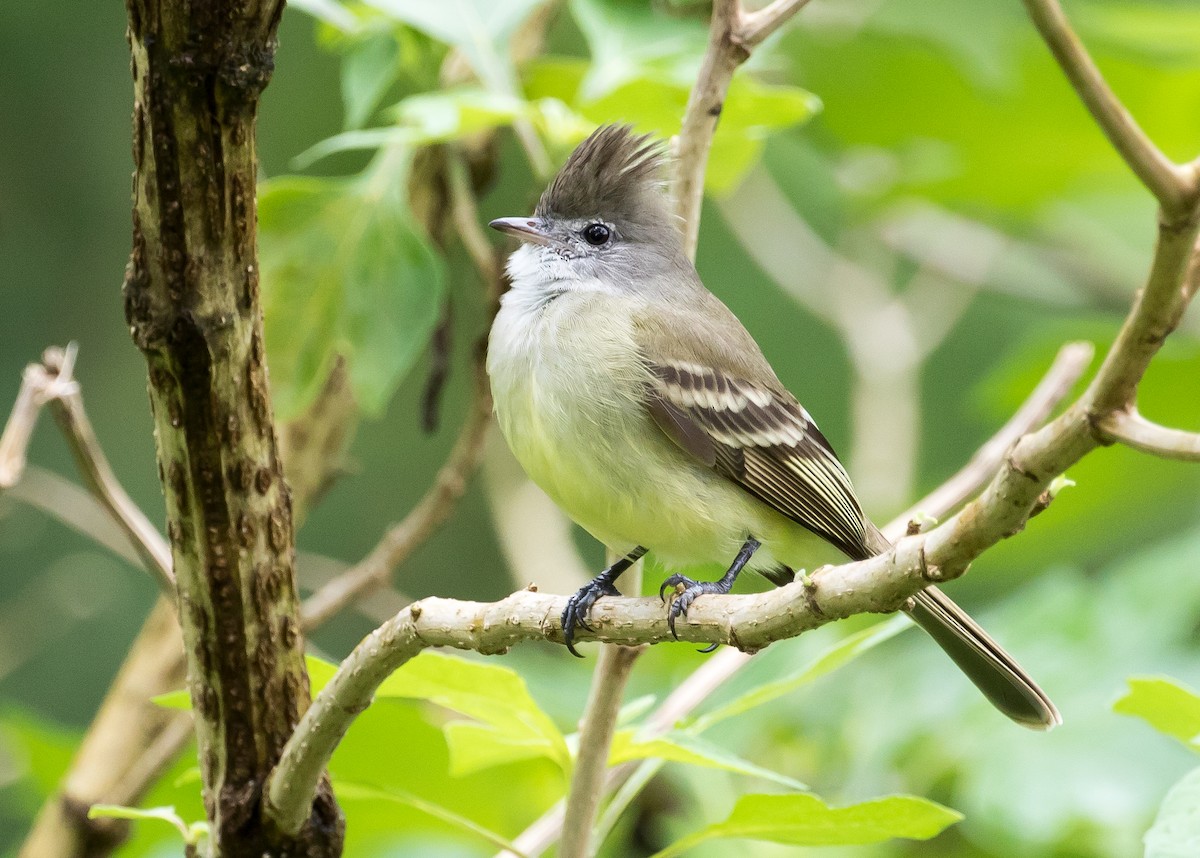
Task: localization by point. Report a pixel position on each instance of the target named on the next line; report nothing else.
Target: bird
(644, 408)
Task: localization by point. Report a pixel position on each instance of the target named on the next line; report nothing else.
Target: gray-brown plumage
(637, 400)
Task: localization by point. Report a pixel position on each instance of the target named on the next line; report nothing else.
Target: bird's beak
(526, 229)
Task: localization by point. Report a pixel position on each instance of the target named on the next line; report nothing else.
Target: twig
(52, 382)
(757, 27)
(1134, 430)
(410, 533)
(1173, 186)
(707, 97)
(595, 738)
(1069, 364)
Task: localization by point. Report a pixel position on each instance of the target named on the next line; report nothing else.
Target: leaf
(426, 118)
(844, 651)
(630, 39)
(1176, 830)
(191, 834)
(480, 29)
(330, 12)
(174, 700)
(435, 117)
(353, 791)
(802, 819)
(345, 271)
(508, 726)
(1165, 705)
(684, 748)
(369, 67)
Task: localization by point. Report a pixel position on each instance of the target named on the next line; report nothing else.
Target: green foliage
(1176, 830)
(948, 146)
(805, 820)
(346, 272)
(1165, 705)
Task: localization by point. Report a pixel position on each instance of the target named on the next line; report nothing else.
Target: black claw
(575, 613)
(708, 649)
(692, 589)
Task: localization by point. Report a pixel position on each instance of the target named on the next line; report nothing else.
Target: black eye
(596, 234)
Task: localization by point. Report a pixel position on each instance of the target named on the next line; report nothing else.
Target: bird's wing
(761, 439)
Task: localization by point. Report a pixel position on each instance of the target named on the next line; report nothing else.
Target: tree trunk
(191, 300)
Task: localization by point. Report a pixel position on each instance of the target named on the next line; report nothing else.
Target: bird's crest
(615, 175)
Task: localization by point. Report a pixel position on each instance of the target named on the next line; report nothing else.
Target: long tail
(993, 671)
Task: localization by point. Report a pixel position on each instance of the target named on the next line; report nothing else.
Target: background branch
(595, 739)
(1134, 430)
(1173, 186)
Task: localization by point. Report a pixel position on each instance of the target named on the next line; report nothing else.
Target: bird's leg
(692, 589)
(575, 614)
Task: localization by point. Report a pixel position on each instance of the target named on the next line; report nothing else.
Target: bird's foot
(578, 606)
(683, 601)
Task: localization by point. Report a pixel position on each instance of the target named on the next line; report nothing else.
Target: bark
(192, 304)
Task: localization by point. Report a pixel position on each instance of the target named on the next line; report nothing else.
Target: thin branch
(426, 517)
(1175, 187)
(1069, 364)
(732, 34)
(595, 739)
(51, 382)
(1134, 430)
(1156, 312)
(757, 27)
(705, 102)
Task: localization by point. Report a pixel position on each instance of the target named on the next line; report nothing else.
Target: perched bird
(644, 409)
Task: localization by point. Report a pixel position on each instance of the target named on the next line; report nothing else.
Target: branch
(52, 382)
(757, 27)
(439, 501)
(1069, 364)
(595, 739)
(1176, 188)
(1134, 430)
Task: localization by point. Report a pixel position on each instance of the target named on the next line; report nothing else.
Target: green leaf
(352, 791)
(480, 29)
(191, 834)
(1165, 705)
(330, 12)
(844, 651)
(801, 819)
(684, 748)
(369, 67)
(508, 726)
(435, 117)
(631, 39)
(347, 272)
(1176, 829)
(174, 700)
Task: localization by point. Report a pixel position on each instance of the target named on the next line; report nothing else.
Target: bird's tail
(993, 671)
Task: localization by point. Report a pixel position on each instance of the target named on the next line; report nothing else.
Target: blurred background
(909, 209)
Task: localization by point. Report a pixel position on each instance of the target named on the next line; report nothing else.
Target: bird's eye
(596, 234)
